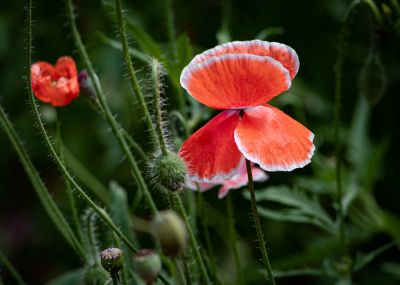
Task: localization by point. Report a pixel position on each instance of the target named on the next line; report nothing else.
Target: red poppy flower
(240, 77)
(57, 85)
(239, 180)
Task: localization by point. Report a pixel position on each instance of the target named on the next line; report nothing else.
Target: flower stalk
(257, 225)
(119, 135)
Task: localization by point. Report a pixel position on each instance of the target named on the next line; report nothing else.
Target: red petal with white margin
(235, 81)
(267, 136)
(211, 152)
(241, 179)
(280, 52)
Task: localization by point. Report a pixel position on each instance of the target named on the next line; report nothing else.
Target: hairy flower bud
(147, 264)
(169, 171)
(112, 260)
(170, 231)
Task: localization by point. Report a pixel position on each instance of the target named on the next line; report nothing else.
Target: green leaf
(298, 207)
(149, 45)
(120, 210)
(364, 259)
(117, 45)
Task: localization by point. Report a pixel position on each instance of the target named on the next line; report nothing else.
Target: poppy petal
(234, 81)
(211, 152)
(241, 179)
(66, 67)
(267, 136)
(41, 76)
(280, 52)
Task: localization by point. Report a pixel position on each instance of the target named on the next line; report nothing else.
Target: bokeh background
(311, 27)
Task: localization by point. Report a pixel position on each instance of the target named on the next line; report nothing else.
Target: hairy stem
(195, 247)
(51, 148)
(257, 225)
(132, 75)
(119, 135)
(156, 77)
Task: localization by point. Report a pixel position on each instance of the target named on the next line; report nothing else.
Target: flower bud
(170, 231)
(373, 80)
(169, 171)
(112, 260)
(147, 264)
(86, 84)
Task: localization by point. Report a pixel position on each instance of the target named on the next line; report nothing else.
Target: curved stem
(107, 113)
(337, 123)
(257, 225)
(195, 247)
(131, 72)
(232, 238)
(53, 152)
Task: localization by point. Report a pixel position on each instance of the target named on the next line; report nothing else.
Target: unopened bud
(373, 80)
(112, 260)
(170, 231)
(86, 84)
(147, 264)
(169, 171)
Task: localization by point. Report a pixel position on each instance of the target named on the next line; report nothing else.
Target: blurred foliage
(299, 208)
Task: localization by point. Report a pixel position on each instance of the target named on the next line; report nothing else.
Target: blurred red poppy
(57, 85)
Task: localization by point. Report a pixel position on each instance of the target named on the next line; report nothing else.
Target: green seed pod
(96, 275)
(170, 231)
(373, 80)
(112, 260)
(169, 171)
(147, 264)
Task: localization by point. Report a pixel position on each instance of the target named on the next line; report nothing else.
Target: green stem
(4, 260)
(72, 204)
(195, 247)
(374, 10)
(124, 269)
(181, 276)
(91, 239)
(107, 113)
(169, 15)
(53, 152)
(186, 270)
(87, 178)
(257, 225)
(132, 75)
(232, 238)
(45, 198)
(156, 76)
(337, 124)
(204, 220)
